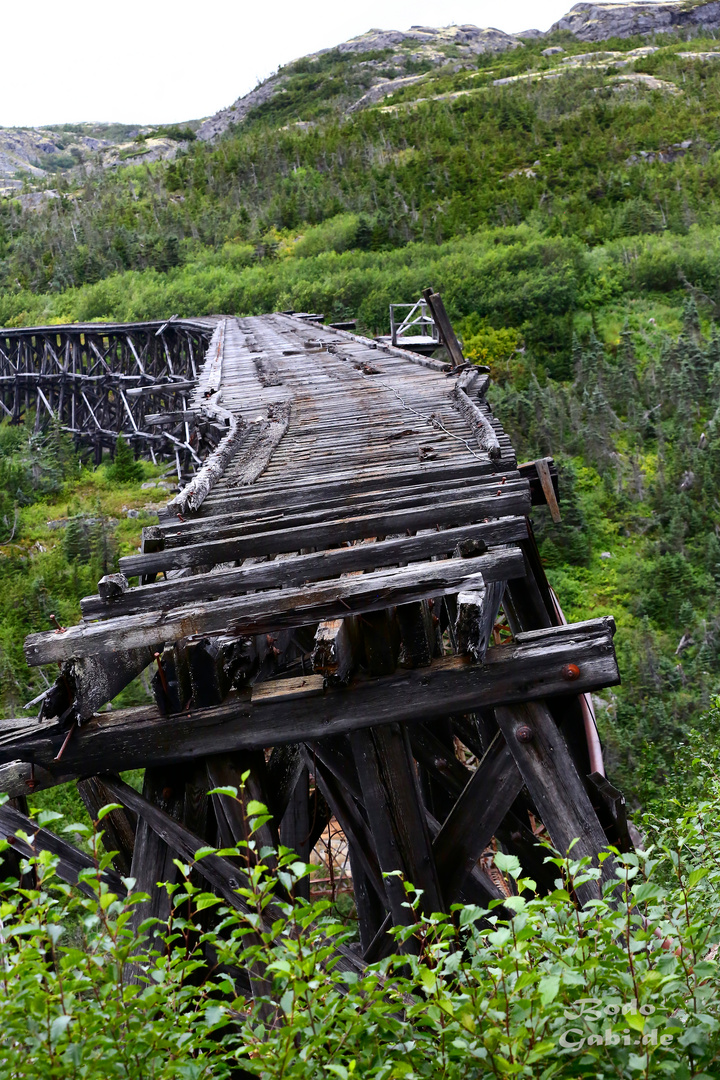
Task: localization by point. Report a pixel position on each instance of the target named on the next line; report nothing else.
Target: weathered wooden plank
(284, 503)
(199, 530)
(261, 613)
(511, 499)
(521, 671)
(71, 862)
(342, 485)
(301, 569)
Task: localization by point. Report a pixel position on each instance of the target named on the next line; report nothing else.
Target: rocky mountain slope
(34, 155)
(597, 22)
(363, 71)
(379, 58)
(387, 61)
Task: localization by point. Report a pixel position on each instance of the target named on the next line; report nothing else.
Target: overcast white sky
(155, 61)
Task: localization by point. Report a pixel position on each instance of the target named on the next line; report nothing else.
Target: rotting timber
(346, 602)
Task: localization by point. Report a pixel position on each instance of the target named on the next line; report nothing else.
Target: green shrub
(533, 987)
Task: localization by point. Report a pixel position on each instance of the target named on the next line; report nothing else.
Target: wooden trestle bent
(345, 604)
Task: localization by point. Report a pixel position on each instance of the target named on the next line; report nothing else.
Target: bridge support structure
(347, 606)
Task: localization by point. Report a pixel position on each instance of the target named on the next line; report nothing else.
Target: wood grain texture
(522, 671)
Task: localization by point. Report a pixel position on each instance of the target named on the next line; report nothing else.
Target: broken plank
(511, 499)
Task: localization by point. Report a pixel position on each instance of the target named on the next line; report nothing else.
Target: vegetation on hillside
(531, 988)
(573, 227)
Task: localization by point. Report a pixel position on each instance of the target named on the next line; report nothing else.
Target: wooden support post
(370, 888)
(282, 773)
(417, 634)
(336, 648)
(295, 827)
(556, 789)
(442, 321)
(476, 615)
(397, 817)
(381, 640)
(153, 860)
(118, 826)
(231, 814)
(475, 817)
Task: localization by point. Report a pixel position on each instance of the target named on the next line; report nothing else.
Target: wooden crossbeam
(72, 863)
(300, 569)
(261, 613)
(534, 666)
(510, 499)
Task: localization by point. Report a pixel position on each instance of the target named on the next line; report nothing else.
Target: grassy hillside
(571, 218)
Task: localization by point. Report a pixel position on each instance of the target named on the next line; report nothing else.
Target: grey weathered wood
(472, 822)
(153, 860)
(71, 862)
(522, 671)
(231, 814)
(343, 487)
(118, 826)
(295, 827)
(380, 641)
(184, 533)
(393, 802)
(417, 634)
(442, 321)
(513, 501)
(96, 680)
(335, 649)
(543, 471)
(483, 430)
(283, 771)
(261, 613)
(224, 877)
(552, 780)
(297, 503)
(300, 569)
(475, 618)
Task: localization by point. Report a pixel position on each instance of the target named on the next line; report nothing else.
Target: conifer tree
(125, 469)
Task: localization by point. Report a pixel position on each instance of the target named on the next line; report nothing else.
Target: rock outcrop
(597, 22)
(428, 44)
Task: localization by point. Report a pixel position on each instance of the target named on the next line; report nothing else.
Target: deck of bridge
(329, 586)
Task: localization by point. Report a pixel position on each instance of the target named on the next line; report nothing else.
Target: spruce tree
(124, 469)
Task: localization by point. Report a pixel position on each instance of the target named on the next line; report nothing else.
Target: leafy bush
(533, 987)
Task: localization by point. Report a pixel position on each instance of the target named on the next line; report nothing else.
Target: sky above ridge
(163, 61)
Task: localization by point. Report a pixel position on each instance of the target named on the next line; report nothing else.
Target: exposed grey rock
(426, 43)
(215, 125)
(596, 22)
(552, 50)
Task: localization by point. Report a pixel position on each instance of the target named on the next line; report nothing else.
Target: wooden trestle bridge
(346, 601)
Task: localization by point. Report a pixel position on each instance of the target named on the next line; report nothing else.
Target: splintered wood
(359, 512)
